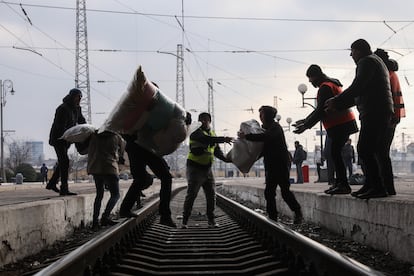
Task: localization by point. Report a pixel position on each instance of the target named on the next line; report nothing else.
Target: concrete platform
(386, 224)
(32, 217)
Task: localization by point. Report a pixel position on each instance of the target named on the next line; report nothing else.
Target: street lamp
(5, 86)
(288, 121)
(302, 88)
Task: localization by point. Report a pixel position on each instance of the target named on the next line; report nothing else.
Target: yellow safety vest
(207, 156)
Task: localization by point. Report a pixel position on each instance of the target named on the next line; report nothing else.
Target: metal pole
(3, 170)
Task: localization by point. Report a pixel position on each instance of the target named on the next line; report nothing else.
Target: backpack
(357, 179)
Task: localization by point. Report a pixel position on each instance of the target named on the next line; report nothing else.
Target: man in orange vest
(338, 125)
(399, 112)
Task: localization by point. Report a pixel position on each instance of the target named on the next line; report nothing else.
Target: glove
(299, 126)
(300, 129)
(299, 122)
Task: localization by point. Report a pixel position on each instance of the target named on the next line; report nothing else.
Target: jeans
(338, 143)
(62, 168)
(386, 165)
(112, 182)
(139, 158)
(372, 139)
(299, 172)
(197, 178)
(275, 177)
(330, 165)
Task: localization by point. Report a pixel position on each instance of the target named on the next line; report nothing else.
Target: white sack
(146, 111)
(131, 111)
(244, 153)
(78, 133)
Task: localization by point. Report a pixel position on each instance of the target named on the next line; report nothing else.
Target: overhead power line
(219, 17)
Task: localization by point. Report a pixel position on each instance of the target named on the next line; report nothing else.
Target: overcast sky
(254, 50)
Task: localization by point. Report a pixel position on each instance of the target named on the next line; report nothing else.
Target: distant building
(35, 153)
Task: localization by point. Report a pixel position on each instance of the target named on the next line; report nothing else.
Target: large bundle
(244, 153)
(145, 111)
(79, 134)
(131, 111)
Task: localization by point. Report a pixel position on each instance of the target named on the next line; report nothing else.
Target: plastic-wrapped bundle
(166, 130)
(244, 153)
(78, 133)
(145, 111)
(131, 111)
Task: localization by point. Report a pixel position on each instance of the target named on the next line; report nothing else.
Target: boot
(167, 221)
(363, 189)
(106, 221)
(95, 225)
(340, 189)
(184, 223)
(298, 217)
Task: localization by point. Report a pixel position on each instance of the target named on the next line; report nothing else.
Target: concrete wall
(27, 228)
(384, 224)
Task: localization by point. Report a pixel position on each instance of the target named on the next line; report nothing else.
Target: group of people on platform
(375, 91)
(377, 95)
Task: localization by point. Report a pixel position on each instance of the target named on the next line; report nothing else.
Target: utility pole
(179, 96)
(211, 101)
(82, 61)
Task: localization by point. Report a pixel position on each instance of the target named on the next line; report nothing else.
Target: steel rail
(301, 255)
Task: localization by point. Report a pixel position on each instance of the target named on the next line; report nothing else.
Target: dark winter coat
(67, 115)
(275, 153)
(370, 90)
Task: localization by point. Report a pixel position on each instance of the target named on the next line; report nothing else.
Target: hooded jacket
(104, 151)
(67, 115)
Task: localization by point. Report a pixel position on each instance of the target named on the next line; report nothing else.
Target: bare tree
(19, 153)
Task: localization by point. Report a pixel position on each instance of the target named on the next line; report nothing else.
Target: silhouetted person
(105, 151)
(203, 148)
(276, 161)
(298, 157)
(370, 91)
(67, 115)
(43, 173)
(338, 125)
(348, 155)
(399, 112)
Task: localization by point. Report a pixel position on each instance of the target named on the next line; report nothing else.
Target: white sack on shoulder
(78, 133)
(245, 153)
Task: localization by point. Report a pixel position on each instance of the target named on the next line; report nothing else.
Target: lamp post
(5, 86)
(302, 88)
(288, 121)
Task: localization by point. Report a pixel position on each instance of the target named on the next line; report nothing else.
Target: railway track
(246, 243)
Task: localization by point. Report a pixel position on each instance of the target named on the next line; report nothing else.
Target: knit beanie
(314, 71)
